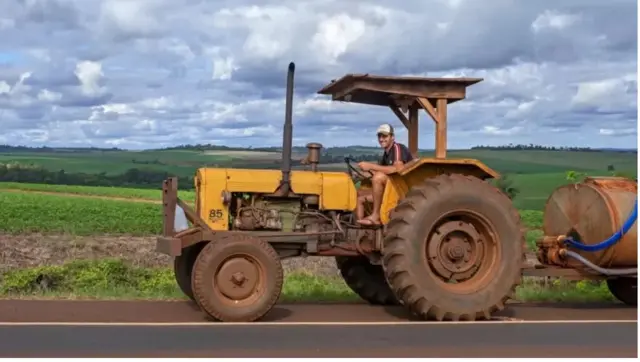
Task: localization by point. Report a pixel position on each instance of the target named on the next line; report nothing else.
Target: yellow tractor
(450, 247)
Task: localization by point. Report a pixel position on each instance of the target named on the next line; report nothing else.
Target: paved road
(172, 312)
(131, 329)
(611, 339)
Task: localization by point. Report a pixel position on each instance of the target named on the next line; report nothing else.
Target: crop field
(32, 207)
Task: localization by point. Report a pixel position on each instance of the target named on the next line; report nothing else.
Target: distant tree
(610, 168)
(575, 177)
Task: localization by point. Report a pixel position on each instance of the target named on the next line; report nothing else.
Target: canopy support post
(413, 130)
(441, 129)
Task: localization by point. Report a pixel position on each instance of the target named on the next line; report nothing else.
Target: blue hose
(612, 239)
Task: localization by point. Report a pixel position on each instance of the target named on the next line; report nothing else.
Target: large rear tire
(624, 289)
(366, 280)
(460, 229)
(237, 279)
(183, 267)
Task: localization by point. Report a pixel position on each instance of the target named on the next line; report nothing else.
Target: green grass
(114, 279)
(534, 173)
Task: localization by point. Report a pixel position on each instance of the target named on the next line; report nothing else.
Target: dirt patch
(23, 251)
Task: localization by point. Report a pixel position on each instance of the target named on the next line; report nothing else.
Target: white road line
(283, 324)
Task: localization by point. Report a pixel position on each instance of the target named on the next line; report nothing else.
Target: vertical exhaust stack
(287, 136)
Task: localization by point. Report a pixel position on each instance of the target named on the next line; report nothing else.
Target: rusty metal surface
(238, 278)
(169, 246)
(558, 272)
(376, 89)
(463, 250)
(169, 200)
(591, 212)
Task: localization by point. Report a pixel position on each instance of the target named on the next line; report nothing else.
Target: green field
(535, 173)
(57, 212)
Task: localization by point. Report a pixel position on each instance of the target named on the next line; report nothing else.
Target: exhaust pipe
(287, 136)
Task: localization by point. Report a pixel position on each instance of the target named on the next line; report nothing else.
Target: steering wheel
(360, 174)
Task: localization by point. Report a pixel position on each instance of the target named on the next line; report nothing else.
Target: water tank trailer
(591, 232)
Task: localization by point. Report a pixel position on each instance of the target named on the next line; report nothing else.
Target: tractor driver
(395, 156)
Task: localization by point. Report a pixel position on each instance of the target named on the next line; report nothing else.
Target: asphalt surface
(178, 329)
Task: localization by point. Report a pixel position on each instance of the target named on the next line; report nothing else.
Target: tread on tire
(269, 278)
(409, 234)
(183, 268)
(366, 280)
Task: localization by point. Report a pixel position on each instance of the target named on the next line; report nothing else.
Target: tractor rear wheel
(237, 279)
(366, 280)
(454, 249)
(183, 267)
(624, 289)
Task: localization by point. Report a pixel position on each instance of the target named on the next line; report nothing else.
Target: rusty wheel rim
(239, 280)
(462, 251)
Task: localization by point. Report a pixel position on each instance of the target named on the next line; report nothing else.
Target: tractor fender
(415, 172)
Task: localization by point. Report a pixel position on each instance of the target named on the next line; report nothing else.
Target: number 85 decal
(215, 214)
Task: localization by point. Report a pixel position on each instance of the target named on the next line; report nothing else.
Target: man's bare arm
(397, 166)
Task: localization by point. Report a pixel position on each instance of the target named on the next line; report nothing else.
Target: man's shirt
(397, 152)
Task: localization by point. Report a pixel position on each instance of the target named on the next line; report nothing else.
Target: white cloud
(89, 74)
(618, 132)
(553, 20)
(335, 34)
(49, 96)
(223, 68)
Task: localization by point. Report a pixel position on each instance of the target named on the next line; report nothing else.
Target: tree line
(533, 147)
(133, 177)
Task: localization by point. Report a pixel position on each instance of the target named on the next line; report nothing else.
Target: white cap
(385, 129)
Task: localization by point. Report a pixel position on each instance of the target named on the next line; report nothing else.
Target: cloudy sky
(155, 73)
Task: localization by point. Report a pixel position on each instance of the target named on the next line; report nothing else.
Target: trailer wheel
(183, 267)
(624, 289)
(366, 280)
(237, 279)
(454, 249)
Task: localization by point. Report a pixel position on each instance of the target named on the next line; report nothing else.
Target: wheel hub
(237, 278)
(455, 250)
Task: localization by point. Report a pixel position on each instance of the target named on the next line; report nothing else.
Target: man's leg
(363, 197)
(378, 181)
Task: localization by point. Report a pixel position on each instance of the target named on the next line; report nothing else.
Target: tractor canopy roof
(388, 90)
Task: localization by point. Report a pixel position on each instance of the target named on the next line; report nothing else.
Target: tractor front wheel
(366, 280)
(183, 267)
(237, 279)
(454, 249)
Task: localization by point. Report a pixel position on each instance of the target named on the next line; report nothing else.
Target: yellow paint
(338, 191)
(335, 189)
(416, 172)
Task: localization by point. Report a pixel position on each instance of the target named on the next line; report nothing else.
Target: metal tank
(589, 213)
